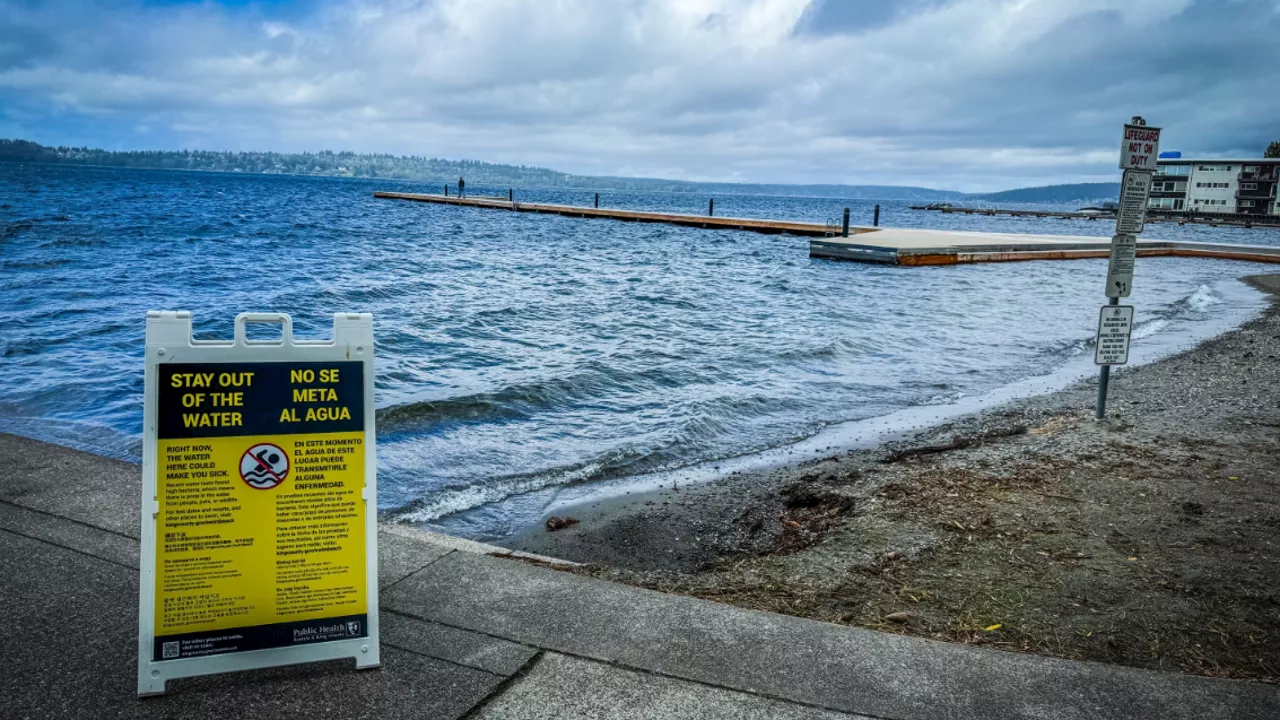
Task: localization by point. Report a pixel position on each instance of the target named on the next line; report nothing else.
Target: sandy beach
(1149, 539)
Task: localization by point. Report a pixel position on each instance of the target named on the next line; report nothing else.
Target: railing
(1270, 175)
(1264, 195)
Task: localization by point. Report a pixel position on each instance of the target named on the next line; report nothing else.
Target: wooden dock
(901, 246)
(774, 227)
(893, 246)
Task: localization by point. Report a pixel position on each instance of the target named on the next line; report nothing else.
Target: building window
(1250, 168)
(1246, 203)
(1248, 186)
(1177, 203)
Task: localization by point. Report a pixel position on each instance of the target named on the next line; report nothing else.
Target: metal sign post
(259, 512)
(1139, 151)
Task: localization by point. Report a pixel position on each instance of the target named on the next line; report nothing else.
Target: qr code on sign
(169, 650)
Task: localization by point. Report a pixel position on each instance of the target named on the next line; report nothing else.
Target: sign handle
(282, 319)
(1104, 379)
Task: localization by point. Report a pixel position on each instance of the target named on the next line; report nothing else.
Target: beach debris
(993, 628)
(556, 522)
(816, 497)
(901, 616)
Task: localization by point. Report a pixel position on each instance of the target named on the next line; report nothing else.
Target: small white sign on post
(1124, 248)
(1115, 323)
(1131, 215)
(1139, 148)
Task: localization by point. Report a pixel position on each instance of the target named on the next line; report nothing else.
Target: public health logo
(264, 466)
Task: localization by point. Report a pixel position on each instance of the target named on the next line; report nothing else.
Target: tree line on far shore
(326, 162)
(478, 174)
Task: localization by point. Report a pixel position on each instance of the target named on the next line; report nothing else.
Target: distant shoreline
(439, 170)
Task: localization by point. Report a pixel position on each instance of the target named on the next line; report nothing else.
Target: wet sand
(1149, 539)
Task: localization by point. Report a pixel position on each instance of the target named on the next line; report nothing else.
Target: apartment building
(1216, 186)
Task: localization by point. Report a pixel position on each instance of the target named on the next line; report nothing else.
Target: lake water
(519, 353)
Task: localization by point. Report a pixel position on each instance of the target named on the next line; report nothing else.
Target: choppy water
(523, 352)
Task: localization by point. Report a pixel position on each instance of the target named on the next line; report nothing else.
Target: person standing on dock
(462, 188)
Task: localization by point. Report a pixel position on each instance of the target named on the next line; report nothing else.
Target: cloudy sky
(961, 94)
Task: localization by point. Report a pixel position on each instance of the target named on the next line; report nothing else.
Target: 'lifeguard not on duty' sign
(259, 537)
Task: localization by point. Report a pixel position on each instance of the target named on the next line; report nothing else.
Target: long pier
(893, 246)
(775, 227)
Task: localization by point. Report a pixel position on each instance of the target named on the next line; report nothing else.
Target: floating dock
(892, 246)
(775, 227)
(1241, 220)
(902, 246)
(1062, 214)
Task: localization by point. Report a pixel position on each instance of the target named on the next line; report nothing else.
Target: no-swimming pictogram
(264, 466)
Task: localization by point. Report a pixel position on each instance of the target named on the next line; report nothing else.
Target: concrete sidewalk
(466, 634)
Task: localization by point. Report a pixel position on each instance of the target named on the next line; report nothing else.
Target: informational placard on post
(1131, 214)
(259, 538)
(1115, 324)
(1139, 148)
(1124, 251)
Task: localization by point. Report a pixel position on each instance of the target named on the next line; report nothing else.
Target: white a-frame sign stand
(259, 511)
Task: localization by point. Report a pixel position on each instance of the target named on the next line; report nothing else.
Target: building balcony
(1262, 193)
(1268, 175)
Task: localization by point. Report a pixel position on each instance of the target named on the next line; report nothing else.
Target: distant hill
(439, 170)
(411, 167)
(1076, 193)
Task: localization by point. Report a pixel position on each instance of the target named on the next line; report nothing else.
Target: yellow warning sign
(260, 537)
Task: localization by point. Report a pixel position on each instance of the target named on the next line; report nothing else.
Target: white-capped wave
(455, 500)
(1203, 298)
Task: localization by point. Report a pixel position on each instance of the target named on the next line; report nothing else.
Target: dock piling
(845, 227)
(446, 190)
(597, 200)
(711, 207)
(511, 195)
(875, 222)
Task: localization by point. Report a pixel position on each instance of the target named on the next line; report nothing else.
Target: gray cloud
(967, 94)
